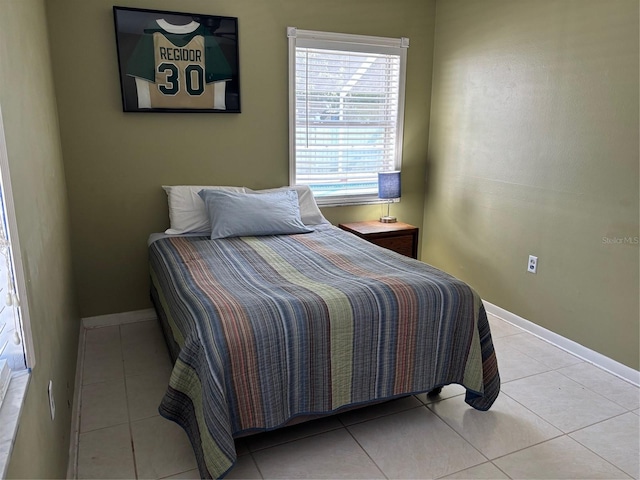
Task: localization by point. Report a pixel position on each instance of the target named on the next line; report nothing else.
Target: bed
(267, 330)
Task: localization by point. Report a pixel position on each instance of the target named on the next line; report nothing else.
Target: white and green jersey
(179, 67)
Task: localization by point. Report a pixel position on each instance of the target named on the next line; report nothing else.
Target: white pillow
(187, 212)
(310, 214)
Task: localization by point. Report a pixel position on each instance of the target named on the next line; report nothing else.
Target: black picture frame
(177, 62)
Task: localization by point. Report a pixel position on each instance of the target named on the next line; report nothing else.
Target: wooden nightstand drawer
(403, 244)
(399, 237)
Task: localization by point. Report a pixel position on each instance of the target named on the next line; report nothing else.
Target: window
(346, 110)
(16, 348)
(16, 354)
(11, 347)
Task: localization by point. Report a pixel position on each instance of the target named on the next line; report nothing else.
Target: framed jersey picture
(177, 62)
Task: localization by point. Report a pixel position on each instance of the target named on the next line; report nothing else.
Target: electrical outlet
(52, 403)
(532, 267)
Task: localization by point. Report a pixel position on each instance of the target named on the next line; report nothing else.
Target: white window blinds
(11, 348)
(346, 112)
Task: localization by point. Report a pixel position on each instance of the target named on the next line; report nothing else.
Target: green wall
(37, 177)
(534, 150)
(115, 162)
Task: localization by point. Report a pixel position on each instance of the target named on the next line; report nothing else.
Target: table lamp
(388, 189)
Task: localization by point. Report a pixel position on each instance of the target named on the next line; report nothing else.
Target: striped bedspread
(268, 329)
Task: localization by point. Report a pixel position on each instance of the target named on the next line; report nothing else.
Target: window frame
(349, 43)
(15, 255)
(12, 404)
(20, 287)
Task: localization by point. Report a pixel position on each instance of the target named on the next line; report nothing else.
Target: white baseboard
(616, 368)
(119, 318)
(74, 437)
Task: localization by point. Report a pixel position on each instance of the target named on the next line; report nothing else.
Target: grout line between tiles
(528, 447)
(104, 428)
(522, 378)
(598, 392)
(464, 439)
(536, 414)
(255, 462)
(366, 453)
(469, 468)
(596, 423)
(126, 396)
(562, 433)
(600, 456)
(381, 415)
(581, 386)
(505, 473)
(251, 450)
(570, 438)
(547, 343)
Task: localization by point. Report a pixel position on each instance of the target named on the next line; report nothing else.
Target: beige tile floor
(556, 417)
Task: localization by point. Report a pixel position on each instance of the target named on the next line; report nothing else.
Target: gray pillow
(233, 214)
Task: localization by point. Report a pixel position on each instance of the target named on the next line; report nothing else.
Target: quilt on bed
(275, 327)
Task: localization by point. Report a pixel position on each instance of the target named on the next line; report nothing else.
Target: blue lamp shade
(389, 189)
(389, 185)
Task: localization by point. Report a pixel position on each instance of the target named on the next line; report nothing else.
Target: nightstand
(399, 237)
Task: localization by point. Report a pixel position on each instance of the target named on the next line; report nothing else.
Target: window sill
(10, 412)
(351, 202)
